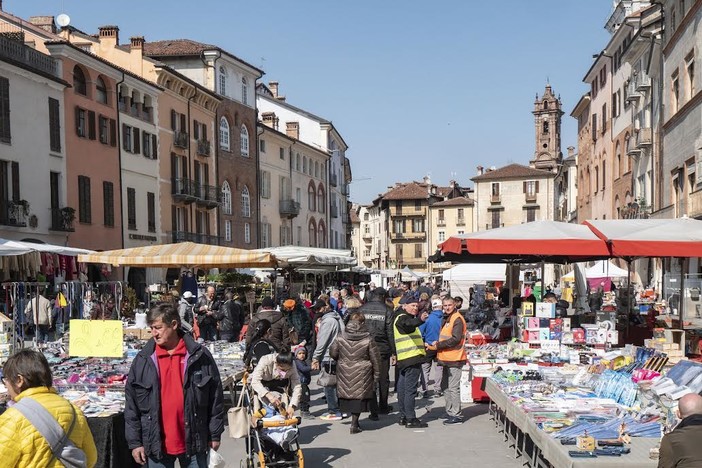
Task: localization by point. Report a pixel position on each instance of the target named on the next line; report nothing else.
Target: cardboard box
(545, 310)
(578, 335)
(566, 324)
(544, 334)
(567, 338)
(533, 323)
(556, 329)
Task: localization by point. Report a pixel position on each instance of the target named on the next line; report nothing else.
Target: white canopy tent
(297, 256)
(476, 272)
(601, 269)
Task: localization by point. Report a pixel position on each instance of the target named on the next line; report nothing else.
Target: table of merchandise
(552, 450)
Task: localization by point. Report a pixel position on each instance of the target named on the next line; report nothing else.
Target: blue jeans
(168, 461)
(407, 390)
(332, 399)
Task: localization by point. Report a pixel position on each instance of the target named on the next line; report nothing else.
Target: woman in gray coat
(357, 368)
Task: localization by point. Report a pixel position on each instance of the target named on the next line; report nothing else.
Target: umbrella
(182, 254)
(311, 256)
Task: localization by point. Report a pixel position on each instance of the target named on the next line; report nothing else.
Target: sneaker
(415, 424)
(373, 417)
(402, 421)
(306, 415)
(451, 420)
(330, 417)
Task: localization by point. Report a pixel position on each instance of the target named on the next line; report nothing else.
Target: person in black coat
(176, 374)
(229, 317)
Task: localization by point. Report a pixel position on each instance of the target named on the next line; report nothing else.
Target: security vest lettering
(458, 352)
(408, 346)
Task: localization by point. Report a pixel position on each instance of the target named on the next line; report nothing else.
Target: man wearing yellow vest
(409, 349)
(451, 355)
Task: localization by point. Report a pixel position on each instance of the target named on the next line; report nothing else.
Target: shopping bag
(239, 420)
(215, 459)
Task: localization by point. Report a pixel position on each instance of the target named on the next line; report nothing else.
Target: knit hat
(289, 304)
(267, 303)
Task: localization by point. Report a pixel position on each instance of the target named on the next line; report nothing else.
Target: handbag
(62, 448)
(239, 419)
(327, 374)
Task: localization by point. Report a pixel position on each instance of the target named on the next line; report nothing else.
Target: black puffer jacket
(204, 410)
(280, 328)
(379, 319)
(357, 362)
(229, 316)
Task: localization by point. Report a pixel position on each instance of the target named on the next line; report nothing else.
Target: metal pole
(543, 284)
(681, 296)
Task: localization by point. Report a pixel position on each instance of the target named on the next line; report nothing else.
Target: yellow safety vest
(408, 346)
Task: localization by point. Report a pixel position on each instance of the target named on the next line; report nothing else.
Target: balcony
(203, 147)
(495, 198)
(208, 196)
(345, 191)
(180, 139)
(334, 211)
(632, 146)
(632, 93)
(441, 222)
(644, 137)
(183, 190)
(289, 208)
(408, 235)
(643, 82)
(62, 219)
(636, 210)
(15, 215)
(460, 221)
(694, 204)
(491, 226)
(530, 197)
(407, 210)
(333, 180)
(367, 236)
(17, 51)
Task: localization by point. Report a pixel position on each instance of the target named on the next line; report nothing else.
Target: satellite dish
(63, 20)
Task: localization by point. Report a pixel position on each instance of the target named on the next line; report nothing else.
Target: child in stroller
(277, 389)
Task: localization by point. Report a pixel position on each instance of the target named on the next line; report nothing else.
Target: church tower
(547, 122)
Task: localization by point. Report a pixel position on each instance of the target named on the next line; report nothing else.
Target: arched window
(222, 81)
(79, 81)
(545, 126)
(245, 202)
(313, 233)
(588, 186)
(320, 199)
(244, 141)
(224, 133)
(226, 198)
(322, 235)
(244, 90)
(311, 198)
(597, 179)
(316, 169)
(101, 90)
(304, 164)
(604, 174)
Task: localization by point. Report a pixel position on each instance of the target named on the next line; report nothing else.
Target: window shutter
(126, 146)
(173, 120)
(91, 125)
(154, 150)
(113, 132)
(15, 182)
(78, 121)
(183, 123)
(5, 109)
(137, 141)
(54, 125)
(536, 187)
(88, 206)
(174, 167)
(524, 187)
(174, 223)
(196, 129)
(145, 143)
(204, 132)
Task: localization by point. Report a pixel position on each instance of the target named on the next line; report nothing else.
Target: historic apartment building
(369, 238)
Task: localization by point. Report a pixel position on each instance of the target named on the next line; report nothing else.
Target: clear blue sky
(415, 88)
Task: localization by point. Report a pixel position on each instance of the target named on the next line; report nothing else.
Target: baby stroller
(272, 440)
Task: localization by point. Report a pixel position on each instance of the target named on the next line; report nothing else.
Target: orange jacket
(451, 350)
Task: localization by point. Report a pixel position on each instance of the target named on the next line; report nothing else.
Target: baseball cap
(187, 295)
(436, 304)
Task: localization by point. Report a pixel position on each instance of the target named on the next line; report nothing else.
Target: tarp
(310, 256)
(56, 249)
(187, 254)
(476, 273)
(677, 237)
(601, 269)
(9, 247)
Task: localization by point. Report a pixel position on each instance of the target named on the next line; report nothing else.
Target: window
(244, 141)
(460, 214)
(101, 91)
(151, 210)
(304, 164)
(54, 125)
(442, 236)
(282, 154)
(245, 202)
(84, 210)
(690, 67)
(320, 199)
(604, 118)
(81, 126)
(131, 208)
(298, 195)
(366, 229)
(316, 169)
(530, 214)
(226, 198)
(311, 198)
(103, 130)
(495, 189)
(228, 230)
(108, 203)
(148, 145)
(285, 235)
(597, 179)
(297, 162)
(604, 174)
(441, 214)
(675, 91)
(247, 233)
(244, 90)
(313, 233)
(593, 128)
(418, 225)
(127, 138)
(224, 133)
(322, 235)
(79, 81)
(531, 188)
(5, 110)
(265, 184)
(262, 145)
(417, 250)
(265, 235)
(544, 126)
(495, 219)
(399, 226)
(222, 81)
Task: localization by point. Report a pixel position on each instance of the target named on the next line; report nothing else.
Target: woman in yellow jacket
(27, 374)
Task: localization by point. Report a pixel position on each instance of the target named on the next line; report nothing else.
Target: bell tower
(547, 122)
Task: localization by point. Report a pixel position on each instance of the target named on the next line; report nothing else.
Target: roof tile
(513, 171)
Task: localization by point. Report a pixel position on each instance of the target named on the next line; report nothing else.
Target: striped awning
(183, 254)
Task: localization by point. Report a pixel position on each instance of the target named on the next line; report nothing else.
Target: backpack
(62, 448)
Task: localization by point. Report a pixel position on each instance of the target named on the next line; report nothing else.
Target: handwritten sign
(96, 338)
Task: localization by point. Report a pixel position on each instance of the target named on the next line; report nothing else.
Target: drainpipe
(189, 133)
(119, 162)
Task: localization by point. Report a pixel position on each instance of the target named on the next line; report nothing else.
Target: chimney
(427, 179)
(137, 42)
(44, 22)
(270, 120)
(480, 170)
(273, 86)
(571, 151)
(109, 33)
(292, 129)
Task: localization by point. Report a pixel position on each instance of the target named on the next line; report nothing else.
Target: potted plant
(24, 205)
(68, 215)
